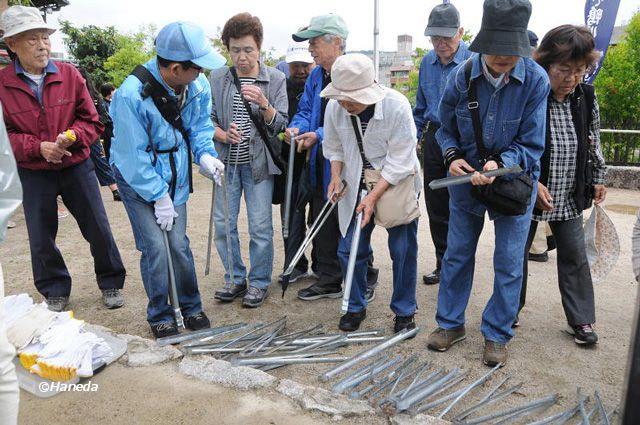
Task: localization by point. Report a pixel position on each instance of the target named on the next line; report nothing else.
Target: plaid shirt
(562, 161)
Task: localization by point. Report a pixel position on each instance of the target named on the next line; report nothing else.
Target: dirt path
(542, 354)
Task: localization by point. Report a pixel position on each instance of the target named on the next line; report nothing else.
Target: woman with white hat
(370, 139)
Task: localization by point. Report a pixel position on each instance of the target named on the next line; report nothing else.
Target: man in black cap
(448, 52)
(510, 101)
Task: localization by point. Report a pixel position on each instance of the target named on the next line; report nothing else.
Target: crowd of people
(495, 103)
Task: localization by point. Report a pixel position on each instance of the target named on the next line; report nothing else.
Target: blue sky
(282, 17)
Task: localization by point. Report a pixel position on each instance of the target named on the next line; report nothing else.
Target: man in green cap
(327, 35)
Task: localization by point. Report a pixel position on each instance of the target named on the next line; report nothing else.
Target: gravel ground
(542, 355)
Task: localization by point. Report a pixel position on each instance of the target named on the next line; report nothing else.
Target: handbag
(398, 205)
(273, 145)
(510, 195)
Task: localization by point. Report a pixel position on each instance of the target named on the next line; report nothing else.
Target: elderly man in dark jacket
(51, 121)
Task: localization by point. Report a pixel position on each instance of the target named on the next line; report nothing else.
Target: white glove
(165, 213)
(211, 168)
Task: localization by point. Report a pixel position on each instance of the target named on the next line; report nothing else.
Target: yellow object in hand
(71, 135)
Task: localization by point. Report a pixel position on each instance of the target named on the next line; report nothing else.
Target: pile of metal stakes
(266, 346)
(403, 384)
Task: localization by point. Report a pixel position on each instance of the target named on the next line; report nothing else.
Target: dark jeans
(574, 275)
(80, 193)
(437, 201)
(101, 164)
(297, 231)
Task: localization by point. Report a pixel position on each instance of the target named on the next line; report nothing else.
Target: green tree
(618, 90)
(91, 46)
(132, 50)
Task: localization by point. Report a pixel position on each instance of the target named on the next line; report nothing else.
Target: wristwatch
(265, 107)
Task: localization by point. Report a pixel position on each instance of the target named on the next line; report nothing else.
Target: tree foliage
(132, 50)
(91, 46)
(617, 87)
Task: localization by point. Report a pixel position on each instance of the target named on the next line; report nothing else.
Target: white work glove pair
(165, 213)
(212, 168)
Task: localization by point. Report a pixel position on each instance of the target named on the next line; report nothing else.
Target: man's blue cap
(184, 41)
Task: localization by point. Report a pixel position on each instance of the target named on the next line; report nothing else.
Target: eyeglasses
(566, 72)
(196, 67)
(32, 40)
(436, 39)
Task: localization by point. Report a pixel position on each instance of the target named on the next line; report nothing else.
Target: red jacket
(66, 104)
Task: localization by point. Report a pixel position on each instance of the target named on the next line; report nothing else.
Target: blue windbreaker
(135, 121)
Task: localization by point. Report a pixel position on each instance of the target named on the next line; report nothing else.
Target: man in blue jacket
(512, 95)
(448, 52)
(327, 35)
(152, 166)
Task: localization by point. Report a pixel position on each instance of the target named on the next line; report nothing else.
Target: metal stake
(353, 254)
(480, 381)
(173, 288)
(397, 338)
(168, 340)
(522, 408)
(287, 199)
(227, 228)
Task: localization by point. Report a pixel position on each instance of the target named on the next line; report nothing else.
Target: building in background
(395, 66)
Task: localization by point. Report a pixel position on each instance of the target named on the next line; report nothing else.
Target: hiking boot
(403, 322)
(197, 321)
(57, 304)
(583, 334)
(112, 298)
(494, 353)
(442, 339)
(161, 330)
(539, 258)
(432, 278)
(294, 276)
(320, 290)
(230, 292)
(254, 297)
(116, 196)
(351, 321)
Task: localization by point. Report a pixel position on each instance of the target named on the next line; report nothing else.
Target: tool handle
(457, 180)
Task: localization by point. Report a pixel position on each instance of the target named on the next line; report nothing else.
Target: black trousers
(297, 230)
(79, 190)
(103, 169)
(325, 248)
(437, 201)
(574, 275)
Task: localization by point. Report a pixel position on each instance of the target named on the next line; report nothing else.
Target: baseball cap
(298, 52)
(323, 24)
(184, 41)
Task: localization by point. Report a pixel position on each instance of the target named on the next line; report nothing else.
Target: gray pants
(574, 275)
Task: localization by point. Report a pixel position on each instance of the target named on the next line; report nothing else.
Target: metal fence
(620, 147)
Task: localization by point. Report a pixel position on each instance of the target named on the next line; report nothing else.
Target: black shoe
(403, 322)
(583, 334)
(320, 290)
(295, 275)
(230, 292)
(160, 330)
(197, 322)
(516, 323)
(351, 321)
(539, 258)
(57, 304)
(372, 275)
(432, 278)
(370, 293)
(116, 196)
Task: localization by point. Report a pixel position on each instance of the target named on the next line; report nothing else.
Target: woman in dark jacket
(572, 170)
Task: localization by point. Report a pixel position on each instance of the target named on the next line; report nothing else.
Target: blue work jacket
(432, 79)
(513, 121)
(137, 123)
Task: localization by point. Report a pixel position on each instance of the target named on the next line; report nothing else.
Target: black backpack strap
(474, 109)
(260, 125)
(357, 130)
(170, 112)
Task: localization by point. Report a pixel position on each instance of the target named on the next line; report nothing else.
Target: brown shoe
(443, 339)
(494, 353)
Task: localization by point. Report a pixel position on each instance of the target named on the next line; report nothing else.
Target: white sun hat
(353, 79)
(18, 19)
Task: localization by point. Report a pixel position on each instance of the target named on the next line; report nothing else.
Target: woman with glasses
(249, 99)
(572, 170)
